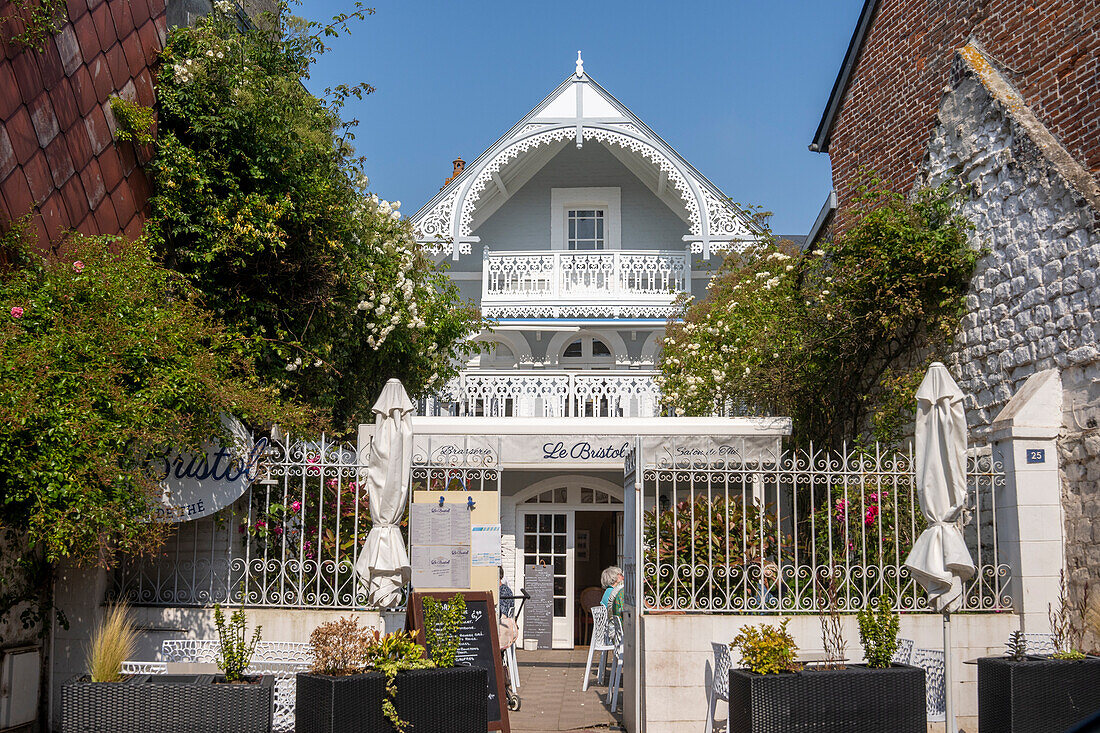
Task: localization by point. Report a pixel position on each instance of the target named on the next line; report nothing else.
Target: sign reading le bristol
(194, 486)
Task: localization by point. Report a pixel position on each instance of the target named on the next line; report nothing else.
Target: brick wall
(1050, 50)
(57, 152)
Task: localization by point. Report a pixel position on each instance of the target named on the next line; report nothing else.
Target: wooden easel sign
(478, 644)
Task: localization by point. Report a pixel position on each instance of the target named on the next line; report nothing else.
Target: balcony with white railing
(583, 284)
(549, 393)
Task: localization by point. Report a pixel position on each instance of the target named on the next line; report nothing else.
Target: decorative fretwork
(554, 394)
(755, 528)
(567, 284)
(436, 224)
(724, 220)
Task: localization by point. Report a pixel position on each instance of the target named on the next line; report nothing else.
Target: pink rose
(871, 515)
(78, 266)
(295, 505)
(16, 312)
(278, 530)
(261, 524)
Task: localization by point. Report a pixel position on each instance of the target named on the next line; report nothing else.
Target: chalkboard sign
(478, 644)
(538, 612)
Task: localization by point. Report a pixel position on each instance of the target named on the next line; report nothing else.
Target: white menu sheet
(485, 547)
(440, 525)
(440, 566)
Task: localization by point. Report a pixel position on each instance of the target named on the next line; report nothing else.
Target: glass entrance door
(548, 540)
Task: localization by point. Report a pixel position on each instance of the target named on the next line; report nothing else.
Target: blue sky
(737, 87)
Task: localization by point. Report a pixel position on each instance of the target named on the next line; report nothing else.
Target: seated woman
(612, 580)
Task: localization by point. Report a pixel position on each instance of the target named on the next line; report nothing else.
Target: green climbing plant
(441, 622)
(136, 122)
(36, 21)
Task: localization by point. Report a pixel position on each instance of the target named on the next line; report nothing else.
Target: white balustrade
(539, 393)
(581, 284)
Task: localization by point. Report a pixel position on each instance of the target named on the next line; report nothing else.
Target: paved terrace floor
(550, 688)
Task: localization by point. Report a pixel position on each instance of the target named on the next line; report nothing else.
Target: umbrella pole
(949, 705)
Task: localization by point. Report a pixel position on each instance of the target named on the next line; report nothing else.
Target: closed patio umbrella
(383, 562)
(940, 560)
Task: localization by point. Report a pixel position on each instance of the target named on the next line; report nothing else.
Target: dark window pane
(559, 544)
(559, 607)
(559, 586)
(586, 229)
(599, 228)
(529, 522)
(586, 495)
(560, 495)
(544, 523)
(573, 349)
(559, 522)
(530, 543)
(544, 543)
(572, 228)
(559, 566)
(599, 348)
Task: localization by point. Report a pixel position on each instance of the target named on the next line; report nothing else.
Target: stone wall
(1079, 453)
(1034, 301)
(1052, 48)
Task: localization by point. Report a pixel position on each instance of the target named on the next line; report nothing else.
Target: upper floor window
(585, 218)
(586, 228)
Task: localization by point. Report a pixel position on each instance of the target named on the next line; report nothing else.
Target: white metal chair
(1038, 643)
(602, 642)
(904, 653)
(720, 685)
(616, 630)
(935, 691)
(283, 659)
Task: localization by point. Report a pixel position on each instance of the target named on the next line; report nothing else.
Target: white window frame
(563, 199)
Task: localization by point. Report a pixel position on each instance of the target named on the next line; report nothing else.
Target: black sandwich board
(478, 644)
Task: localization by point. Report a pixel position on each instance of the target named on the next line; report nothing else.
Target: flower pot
(856, 698)
(1037, 694)
(168, 703)
(432, 700)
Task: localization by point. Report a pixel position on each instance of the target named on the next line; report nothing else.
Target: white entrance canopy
(592, 442)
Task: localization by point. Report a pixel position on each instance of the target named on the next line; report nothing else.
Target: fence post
(1030, 520)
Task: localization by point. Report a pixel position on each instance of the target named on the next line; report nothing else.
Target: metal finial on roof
(580, 65)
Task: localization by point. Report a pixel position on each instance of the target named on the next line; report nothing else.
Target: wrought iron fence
(291, 541)
(765, 529)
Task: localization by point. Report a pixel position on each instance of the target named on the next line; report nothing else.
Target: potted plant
(365, 681)
(105, 700)
(776, 695)
(1039, 692)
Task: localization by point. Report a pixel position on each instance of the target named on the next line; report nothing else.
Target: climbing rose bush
(261, 202)
(837, 338)
(106, 359)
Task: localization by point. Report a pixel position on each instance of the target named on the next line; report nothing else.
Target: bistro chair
(602, 642)
(904, 653)
(615, 625)
(720, 685)
(931, 661)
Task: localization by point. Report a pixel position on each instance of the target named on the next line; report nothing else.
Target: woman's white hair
(610, 576)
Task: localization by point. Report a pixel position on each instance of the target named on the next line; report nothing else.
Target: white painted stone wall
(680, 663)
(1034, 301)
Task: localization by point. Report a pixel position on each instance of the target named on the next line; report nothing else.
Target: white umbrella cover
(939, 559)
(383, 562)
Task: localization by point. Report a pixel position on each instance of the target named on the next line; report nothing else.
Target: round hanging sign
(194, 486)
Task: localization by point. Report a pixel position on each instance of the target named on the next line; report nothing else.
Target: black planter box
(856, 698)
(452, 700)
(1037, 694)
(167, 703)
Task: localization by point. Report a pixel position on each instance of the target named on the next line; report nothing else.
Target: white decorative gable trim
(715, 224)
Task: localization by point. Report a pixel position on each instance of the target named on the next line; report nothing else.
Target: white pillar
(1030, 523)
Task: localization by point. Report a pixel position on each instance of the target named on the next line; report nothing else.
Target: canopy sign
(195, 486)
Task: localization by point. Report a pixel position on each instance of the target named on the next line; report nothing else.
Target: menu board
(478, 645)
(538, 611)
(440, 546)
(440, 525)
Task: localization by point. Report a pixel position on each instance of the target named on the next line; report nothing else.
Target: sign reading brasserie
(194, 486)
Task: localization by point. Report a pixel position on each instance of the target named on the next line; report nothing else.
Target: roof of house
(824, 132)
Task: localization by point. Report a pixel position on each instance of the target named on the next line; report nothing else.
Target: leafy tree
(262, 204)
(106, 360)
(836, 338)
